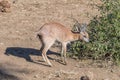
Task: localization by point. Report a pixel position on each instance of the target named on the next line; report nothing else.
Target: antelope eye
(84, 36)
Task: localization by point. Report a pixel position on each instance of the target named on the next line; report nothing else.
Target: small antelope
(50, 32)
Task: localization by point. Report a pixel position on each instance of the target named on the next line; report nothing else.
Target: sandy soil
(19, 49)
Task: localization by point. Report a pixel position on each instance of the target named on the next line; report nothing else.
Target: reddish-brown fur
(50, 32)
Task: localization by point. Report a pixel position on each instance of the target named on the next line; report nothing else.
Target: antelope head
(81, 28)
(84, 34)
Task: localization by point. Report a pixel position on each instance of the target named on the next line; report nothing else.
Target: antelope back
(56, 31)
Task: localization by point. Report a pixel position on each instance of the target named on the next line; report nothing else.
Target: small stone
(107, 79)
(111, 71)
(36, 76)
(84, 78)
(1, 43)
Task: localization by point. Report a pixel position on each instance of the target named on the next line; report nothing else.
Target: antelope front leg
(63, 53)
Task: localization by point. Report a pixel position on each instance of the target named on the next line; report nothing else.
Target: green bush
(104, 34)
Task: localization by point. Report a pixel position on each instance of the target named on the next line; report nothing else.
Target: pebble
(36, 76)
(1, 43)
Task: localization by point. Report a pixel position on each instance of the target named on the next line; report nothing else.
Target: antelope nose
(87, 40)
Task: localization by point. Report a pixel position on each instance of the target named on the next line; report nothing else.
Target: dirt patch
(20, 58)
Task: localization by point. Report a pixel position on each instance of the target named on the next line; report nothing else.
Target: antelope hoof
(49, 65)
(65, 63)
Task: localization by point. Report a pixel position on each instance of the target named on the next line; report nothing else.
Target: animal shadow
(22, 52)
(26, 52)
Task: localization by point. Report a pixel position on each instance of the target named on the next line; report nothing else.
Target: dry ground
(18, 45)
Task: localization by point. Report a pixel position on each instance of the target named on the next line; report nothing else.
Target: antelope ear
(83, 27)
(76, 27)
